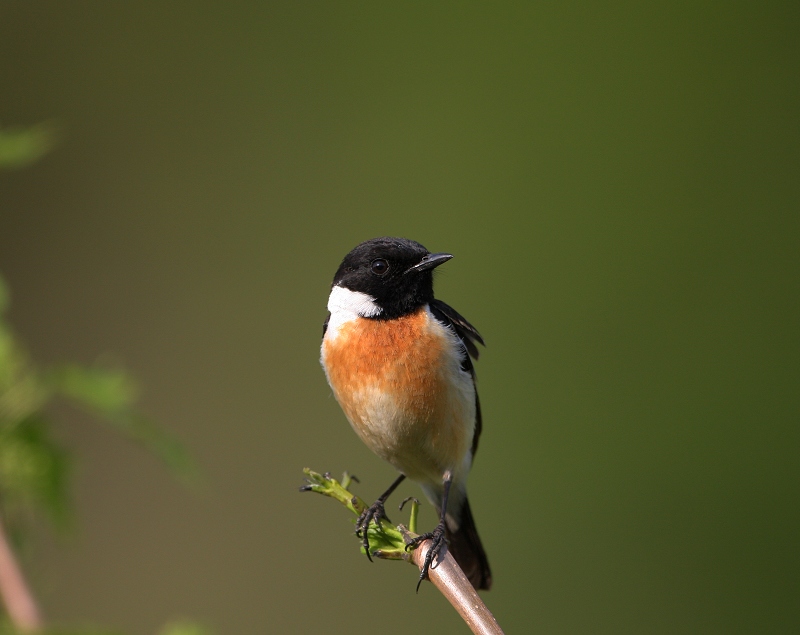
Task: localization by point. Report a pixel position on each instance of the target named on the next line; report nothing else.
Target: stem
(14, 590)
(448, 577)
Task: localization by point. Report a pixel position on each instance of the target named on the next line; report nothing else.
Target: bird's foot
(373, 513)
(438, 542)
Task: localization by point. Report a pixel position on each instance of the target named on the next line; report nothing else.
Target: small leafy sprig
(389, 542)
(386, 541)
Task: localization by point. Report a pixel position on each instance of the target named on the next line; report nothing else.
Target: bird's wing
(467, 333)
(469, 336)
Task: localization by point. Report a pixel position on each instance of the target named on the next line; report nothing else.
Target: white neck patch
(346, 305)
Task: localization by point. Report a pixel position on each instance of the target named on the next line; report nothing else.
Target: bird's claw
(405, 500)
(438, 542)
(373, 513)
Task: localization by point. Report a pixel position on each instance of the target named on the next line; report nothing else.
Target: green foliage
(34, 468)
(111, 395)
(21, 146)
(385, 540)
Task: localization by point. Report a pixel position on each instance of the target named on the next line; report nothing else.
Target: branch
(389, 542)
(16, 595)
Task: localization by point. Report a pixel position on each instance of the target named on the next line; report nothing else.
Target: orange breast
(400, 385)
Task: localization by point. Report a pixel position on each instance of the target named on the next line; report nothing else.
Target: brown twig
(448, 577)
(14, 590)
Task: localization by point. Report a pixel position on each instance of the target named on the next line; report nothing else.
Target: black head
(396, 272)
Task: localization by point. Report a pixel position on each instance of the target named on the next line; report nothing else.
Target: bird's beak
(431, 261)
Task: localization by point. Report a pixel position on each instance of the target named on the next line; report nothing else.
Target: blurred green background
(619, 183)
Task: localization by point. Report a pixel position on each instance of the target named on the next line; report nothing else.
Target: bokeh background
(619, 183)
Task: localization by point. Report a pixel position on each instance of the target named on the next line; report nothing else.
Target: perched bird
(399, 363)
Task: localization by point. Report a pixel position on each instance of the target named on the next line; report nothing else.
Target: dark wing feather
(325, 325)
(478, 424)
(468, 335)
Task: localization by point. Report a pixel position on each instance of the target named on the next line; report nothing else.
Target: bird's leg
(437, 536)
(374, 513)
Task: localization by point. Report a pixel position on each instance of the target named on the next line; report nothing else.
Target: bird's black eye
(379, 266)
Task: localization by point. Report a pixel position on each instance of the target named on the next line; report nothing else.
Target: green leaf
(385, 540)
(33, 468)
(110, 394)
(22, 392)
(106, 392)
(166, 446)
(20, 146)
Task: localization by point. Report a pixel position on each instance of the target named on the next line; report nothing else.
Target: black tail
(466, 547)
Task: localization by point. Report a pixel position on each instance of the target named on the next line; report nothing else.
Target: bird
(399, 362)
